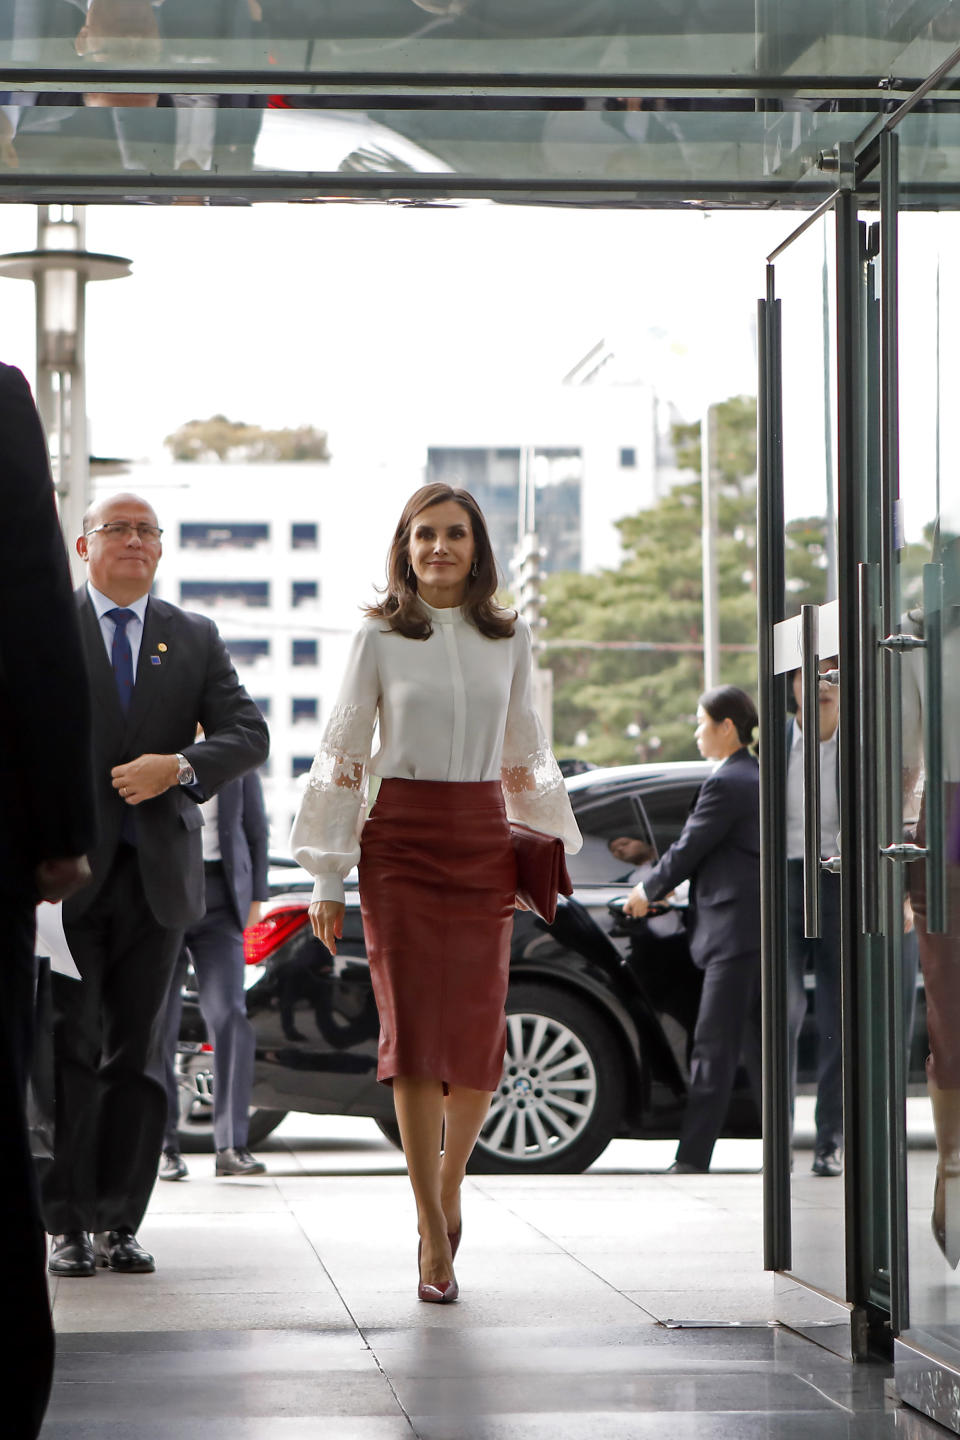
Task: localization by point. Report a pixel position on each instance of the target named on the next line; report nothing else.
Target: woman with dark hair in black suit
(718, 850)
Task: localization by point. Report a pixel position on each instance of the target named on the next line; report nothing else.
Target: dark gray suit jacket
(718, 850)
(184, 678)
(47, 810)
(243, 832)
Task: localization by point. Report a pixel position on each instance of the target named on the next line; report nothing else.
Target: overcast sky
(377, 318)
(284, 314)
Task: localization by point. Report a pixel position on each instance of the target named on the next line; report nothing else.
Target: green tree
(235, 440)
(616, 705)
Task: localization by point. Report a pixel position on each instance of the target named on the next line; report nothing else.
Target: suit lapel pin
(162, 648)
(154, 659)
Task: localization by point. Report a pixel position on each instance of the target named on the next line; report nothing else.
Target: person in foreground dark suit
(235, 834)
(46, 826)
(718, 850)
(156, 672)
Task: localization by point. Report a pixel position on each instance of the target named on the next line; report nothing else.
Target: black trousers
(823, 956)
(110, 1111)
(728, 1028)
(28, 1342)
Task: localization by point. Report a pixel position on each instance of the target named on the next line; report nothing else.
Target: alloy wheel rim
(547, 1094)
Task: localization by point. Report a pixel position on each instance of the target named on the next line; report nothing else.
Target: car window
(666, 810)
(600, 822)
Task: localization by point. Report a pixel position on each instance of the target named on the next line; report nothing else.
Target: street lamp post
(60, 268)
(711, 597)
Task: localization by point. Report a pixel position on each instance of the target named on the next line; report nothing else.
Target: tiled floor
(284, 1308)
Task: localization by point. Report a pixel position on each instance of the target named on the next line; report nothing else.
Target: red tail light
(262, 939)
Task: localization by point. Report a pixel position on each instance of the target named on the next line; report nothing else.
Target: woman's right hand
(326, 918)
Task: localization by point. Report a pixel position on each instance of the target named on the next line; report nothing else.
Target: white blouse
(456, 706)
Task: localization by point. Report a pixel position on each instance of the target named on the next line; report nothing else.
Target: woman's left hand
(636, 904)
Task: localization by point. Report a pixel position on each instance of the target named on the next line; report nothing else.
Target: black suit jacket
(47, 807)
(243, 831)
(718, 850)
(184, 678)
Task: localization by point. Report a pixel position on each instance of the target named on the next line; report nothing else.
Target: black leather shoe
(237, 1160)
(120, 1250)
(72, 1254)
(680, 1167)
(172, 1166)
(828, 1162)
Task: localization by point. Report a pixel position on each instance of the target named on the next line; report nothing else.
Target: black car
(600, 1009)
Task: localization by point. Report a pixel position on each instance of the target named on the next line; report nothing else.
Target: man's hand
(326, 917)
(636, 903)
(145, 777)
(59, 879)
(253, 918)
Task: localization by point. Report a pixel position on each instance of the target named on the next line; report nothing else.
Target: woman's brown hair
(400, 605)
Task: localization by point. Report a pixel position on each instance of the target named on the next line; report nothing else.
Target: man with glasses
(156, 672)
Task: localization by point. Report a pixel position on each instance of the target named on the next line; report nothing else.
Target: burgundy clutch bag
(541, 870)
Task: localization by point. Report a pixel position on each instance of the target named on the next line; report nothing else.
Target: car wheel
(561, 1096)
(390, 1130)
(195, 1091)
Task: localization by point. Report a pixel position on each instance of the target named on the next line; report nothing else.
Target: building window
(248, 652)
(304, 535)
(215, 535)
(628, 458)
(304, 592)
(305, 652)
(304, 711)
(250, 594)
(262, 703)
(300, 765)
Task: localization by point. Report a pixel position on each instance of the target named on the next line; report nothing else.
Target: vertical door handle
(933, 747)
(868, 598)
(810, 671)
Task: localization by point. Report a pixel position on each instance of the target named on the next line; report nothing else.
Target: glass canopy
(270, 44)
(629, 102)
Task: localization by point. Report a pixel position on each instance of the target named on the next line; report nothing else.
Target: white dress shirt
(103, 603)
(456, 706)
(829, 803)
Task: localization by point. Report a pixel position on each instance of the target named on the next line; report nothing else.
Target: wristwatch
(186, 775)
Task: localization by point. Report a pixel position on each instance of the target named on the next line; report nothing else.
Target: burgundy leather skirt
(437, 886)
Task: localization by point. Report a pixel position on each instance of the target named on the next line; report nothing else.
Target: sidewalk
(284, 1307)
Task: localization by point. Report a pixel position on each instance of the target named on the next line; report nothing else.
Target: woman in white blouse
(446, 674)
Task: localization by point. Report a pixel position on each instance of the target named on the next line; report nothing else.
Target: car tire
(559, 1119)
(390, 1130)
(195, 1130)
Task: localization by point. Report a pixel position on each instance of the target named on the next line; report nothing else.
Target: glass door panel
(810, 1020)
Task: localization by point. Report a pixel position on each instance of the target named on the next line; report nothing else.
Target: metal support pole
(711, 615)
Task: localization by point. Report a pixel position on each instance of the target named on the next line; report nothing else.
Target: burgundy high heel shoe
(443, 1294)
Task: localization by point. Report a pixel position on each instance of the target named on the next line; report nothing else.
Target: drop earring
(474, 569)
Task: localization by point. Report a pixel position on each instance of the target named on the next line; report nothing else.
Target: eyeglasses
(122, 530)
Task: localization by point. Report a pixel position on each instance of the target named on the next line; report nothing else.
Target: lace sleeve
(533, 788)
(325, 838)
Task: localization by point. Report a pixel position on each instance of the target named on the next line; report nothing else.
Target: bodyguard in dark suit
(156, 672)
(718, 850)
(46, 825)
(822, 955)
(235, 835)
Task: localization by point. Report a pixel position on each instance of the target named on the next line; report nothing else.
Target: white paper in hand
(53, 942)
